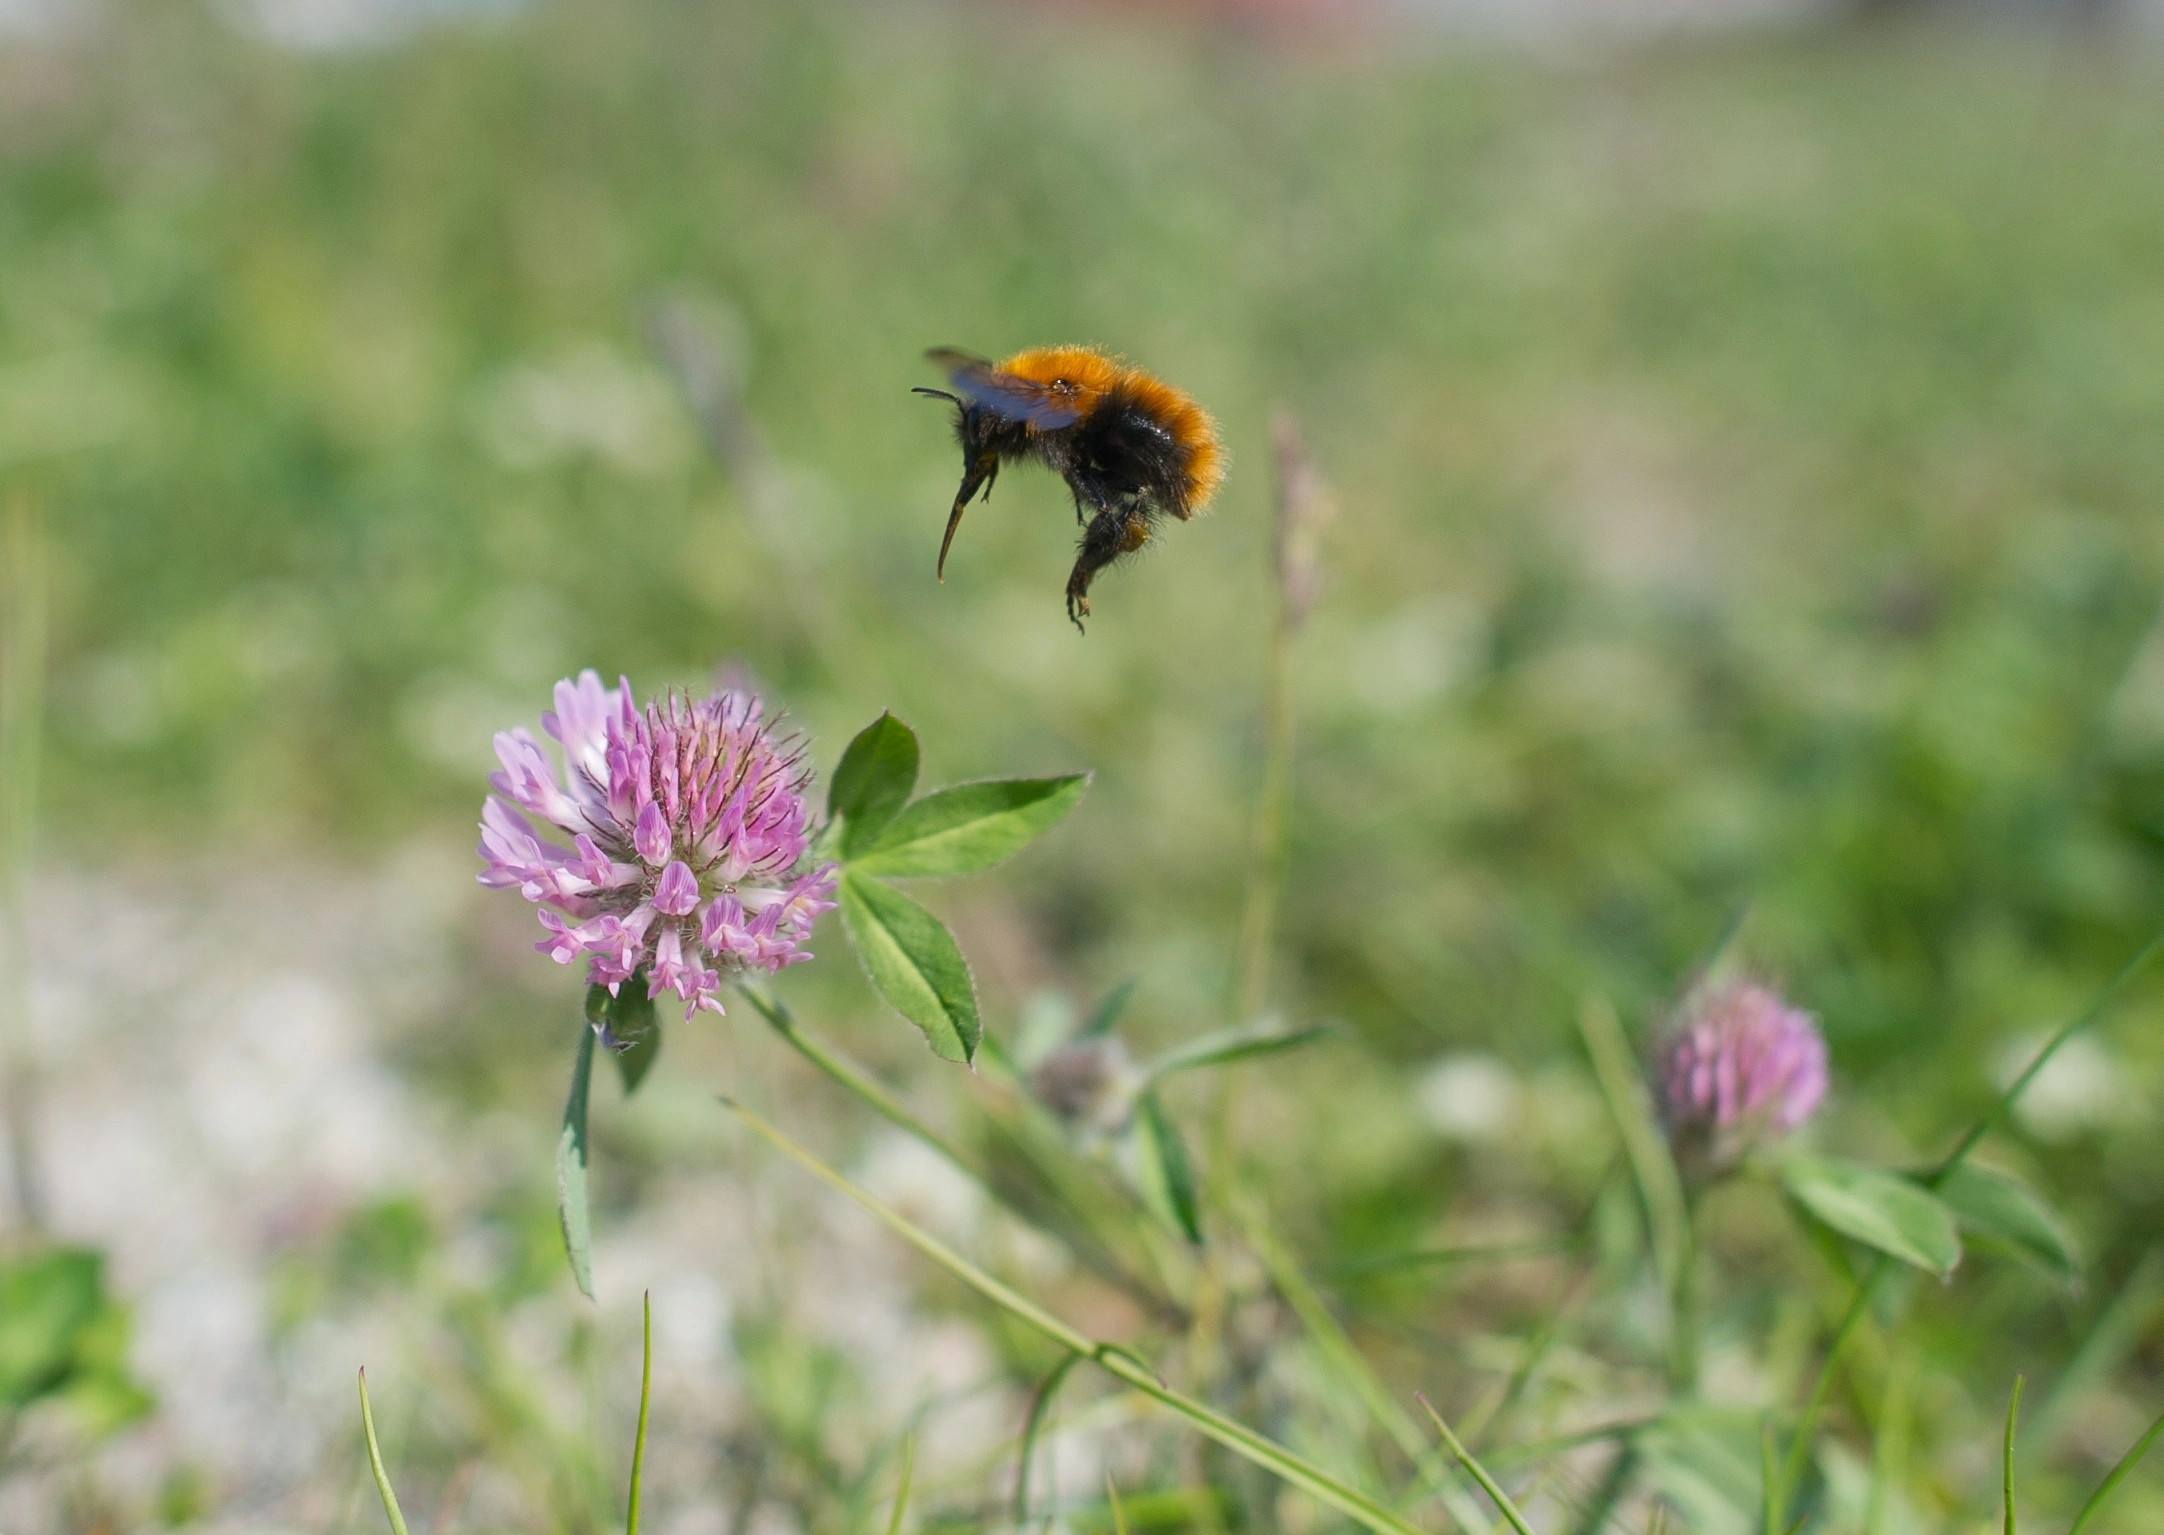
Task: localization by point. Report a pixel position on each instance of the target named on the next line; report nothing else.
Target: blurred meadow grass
(1750, 451)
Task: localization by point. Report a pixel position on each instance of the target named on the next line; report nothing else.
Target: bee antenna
(938, 394)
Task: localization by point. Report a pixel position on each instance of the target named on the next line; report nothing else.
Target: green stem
(2013, 1411)
(2096, 1009)
(1109, 1357)
(22, 709)
(1266, 855)
(853, 1077)
(375, 1463)
(646, 1387)
(901, 1493)
(2118, 1475)
(1479, 1472)
(1799, 1448)
(1040, 1402)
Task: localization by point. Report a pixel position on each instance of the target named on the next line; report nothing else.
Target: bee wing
(1017, 399)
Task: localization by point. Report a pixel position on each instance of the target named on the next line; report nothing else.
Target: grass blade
(1040, 1403)
(1331, 1340)
(2013, 1411)
(1112, 1496)
(2098, 1006)
(1109, 1009)
(2102, 1350)
(1478, 1472)
(646, 1387)
(1769, 1469)
(571, 1158)
(2127, 1462)
(901, 1493)
(1659, 1185)
(375, 1464)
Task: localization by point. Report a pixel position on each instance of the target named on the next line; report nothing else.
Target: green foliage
(63, 1338)
(969, 828)
(2010, 1215)
(911, 958)
(1879, 1209)
(1162, 1169)
(872, 782)
(629, 1025)
(572, 1156)
(1241, 1042)
(914, 961)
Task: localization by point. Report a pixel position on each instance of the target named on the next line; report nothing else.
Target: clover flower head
(1088, 1083)
(688, 828)
(1740, 1068)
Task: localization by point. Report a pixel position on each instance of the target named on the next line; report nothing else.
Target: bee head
(973, 428)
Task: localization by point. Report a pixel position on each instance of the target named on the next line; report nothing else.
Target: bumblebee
(1131, 448)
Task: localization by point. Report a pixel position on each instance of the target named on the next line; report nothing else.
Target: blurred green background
(1749, 447)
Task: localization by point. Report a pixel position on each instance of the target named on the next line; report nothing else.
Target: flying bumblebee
(1131, 448)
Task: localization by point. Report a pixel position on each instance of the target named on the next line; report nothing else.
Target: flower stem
(22, 709)
(1114, 1360)
(1266, 849)
(853, 1077)
(1304, 508)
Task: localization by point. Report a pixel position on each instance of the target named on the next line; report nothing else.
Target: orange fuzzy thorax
(1087, 376)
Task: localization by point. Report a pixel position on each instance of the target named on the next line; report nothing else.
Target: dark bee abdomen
(1122, 453)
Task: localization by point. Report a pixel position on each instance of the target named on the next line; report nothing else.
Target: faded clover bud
(1088, 1083)
(687, 823)
(1741, 1068)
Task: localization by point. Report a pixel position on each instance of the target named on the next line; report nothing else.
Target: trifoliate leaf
(915, 962)
(1996, 1207)
(967, 828)
(1878, 1209)
(873, 781)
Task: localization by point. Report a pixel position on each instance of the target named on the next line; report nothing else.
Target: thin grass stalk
(2119, 1473)
(1660, 1187)
(646, 1388)
(23, 632)
(375, 1463)
(1304, 507)
(901, 1492)
(1112, 1496)
(2006, 1470)
(1479, 1473)
(1040, 1403)
(1889, 1455)
(1329, 1334)
(1113, 1359)
(1769, 1472)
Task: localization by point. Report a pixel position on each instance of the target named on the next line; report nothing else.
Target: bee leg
(1113, 532)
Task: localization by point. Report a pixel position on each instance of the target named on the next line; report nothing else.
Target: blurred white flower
(923, 1185)
(589, 403)
(2083, 1087)
(1470, 1097)
(1414, 656)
